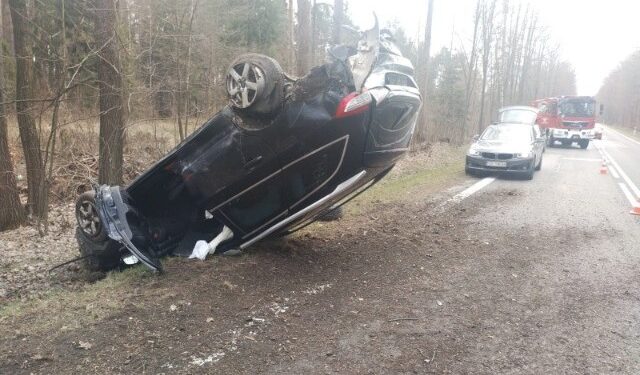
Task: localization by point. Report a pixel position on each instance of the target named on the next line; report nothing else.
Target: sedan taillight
(353, 104)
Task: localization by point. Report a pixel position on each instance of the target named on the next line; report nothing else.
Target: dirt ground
(405, 285)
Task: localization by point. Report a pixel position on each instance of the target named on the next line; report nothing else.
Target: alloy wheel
(245, 82)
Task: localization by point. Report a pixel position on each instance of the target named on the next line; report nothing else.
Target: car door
(256, 198)
(316, 148)
(233, 173)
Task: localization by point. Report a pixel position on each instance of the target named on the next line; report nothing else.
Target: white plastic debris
(225, 235)
(202, 248)
(130, 259)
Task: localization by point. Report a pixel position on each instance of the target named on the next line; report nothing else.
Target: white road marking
(472, 189)
(582, 159)
(613, 171)
(626, 178)
(622, 135)
(628, 194)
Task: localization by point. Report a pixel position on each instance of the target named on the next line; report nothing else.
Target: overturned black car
(281, 154)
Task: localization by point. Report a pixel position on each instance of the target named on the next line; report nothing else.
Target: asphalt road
(623, 155)
(575, 299)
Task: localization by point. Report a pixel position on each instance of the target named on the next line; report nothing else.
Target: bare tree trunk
(25, 93)
(314, 32)
(7, 33)
(187, 111)
(304, 37)
(11, 211)
(487, 33)
(471, 70)
(112, 114)
(421, 131)
(338, 16)
(291, 31)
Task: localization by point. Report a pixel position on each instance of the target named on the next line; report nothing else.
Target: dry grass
(76, 154)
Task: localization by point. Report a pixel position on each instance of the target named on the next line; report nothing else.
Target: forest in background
(90, 87)
(620, 94)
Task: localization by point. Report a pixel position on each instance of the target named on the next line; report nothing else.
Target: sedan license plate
(502, 164)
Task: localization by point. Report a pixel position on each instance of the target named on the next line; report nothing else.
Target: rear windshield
(515, 134)
(520, 116)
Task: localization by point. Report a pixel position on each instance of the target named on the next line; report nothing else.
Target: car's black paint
(260, 176)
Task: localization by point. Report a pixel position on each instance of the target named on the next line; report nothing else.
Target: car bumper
(478, 163)
(573, 135)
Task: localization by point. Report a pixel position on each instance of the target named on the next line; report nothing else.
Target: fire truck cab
(567, 119)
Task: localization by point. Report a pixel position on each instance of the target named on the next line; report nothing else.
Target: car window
(507, 134)
(520, 116)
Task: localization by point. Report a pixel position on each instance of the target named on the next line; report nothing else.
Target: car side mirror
(476, 137)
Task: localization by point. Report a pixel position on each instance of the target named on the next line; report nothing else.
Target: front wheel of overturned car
(101, 253)
(255, 84)
(87, 217)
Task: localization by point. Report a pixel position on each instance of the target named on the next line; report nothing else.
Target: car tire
(539, 166)
(551, 142)
(255, 84)
(529, 174)
(100, 252)
(584, 144)
(87, 217)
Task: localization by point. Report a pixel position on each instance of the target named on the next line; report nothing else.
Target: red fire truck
(567, 119)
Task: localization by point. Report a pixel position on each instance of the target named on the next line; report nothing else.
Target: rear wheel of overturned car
(255, 84)
(101, 253)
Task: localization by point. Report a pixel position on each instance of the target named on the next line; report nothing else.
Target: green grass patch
(409, 186)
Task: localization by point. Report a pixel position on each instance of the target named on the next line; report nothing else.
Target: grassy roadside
(416, 177)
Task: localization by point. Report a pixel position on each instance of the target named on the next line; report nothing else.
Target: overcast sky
(594, 35)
